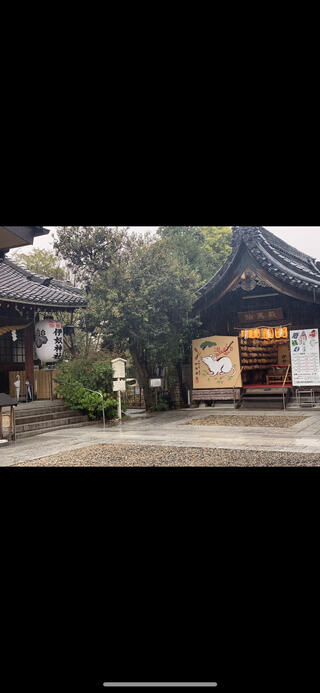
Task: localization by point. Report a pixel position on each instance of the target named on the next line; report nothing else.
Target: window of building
(18, 351)
(10, 351)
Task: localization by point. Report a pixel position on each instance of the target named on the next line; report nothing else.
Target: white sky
(305, 238)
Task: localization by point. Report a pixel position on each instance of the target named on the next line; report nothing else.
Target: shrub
(92, 373)
(77, 397)
(161, 406)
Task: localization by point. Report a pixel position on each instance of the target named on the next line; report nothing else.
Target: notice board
(216, 362)
(305, 362)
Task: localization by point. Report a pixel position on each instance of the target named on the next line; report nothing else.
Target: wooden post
(1, 422)
(28, 345)
(11, 421)
(284, 382)
(119, 405)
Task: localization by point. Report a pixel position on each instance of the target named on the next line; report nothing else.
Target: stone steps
(52, 429)
(51, 417)
(27, 410)
(255, 403)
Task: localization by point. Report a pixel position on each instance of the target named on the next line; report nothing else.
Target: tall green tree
(89, 249)
(143, 297)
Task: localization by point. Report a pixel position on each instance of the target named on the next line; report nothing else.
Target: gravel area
(265, 421)
(165, 456)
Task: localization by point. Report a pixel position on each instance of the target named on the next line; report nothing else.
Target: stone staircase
(32, 419)
(265, 398)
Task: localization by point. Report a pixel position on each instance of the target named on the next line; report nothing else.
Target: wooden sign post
(119, 382)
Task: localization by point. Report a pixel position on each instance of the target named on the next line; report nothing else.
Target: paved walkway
(168, 428)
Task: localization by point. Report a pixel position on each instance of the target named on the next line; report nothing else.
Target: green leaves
(92, 373)
(141, 289)
(203, 248)
(44, 262)
(207, 344)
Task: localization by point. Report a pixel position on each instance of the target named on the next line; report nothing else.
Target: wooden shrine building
(264, 289)
(23, 297)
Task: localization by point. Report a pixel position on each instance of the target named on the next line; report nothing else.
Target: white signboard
(119, 368)
(305, 362)
(119, 386)
(155, 382)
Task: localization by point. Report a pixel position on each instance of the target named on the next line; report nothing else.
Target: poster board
(305, 362)
(216, 363)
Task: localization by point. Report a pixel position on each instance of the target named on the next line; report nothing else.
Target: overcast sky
(305, 238)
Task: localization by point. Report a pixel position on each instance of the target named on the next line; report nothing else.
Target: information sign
(305, 362)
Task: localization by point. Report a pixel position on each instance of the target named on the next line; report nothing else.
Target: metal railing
(97, 392)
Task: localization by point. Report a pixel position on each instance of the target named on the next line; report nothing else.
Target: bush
(161, 406)
(92, 373)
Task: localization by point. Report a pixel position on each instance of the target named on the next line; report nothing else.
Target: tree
(148, 305)
(203, 248)
(217, 245)
(143, 296)
(43, 262)
(88, 250)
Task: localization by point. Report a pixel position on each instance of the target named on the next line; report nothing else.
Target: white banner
(305, 362)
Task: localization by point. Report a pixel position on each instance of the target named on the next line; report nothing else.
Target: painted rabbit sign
(216, 362)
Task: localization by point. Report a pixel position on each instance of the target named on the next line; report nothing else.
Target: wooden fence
(44, 385)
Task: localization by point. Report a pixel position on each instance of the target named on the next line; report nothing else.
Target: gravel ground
(165, 456)
(265, 421)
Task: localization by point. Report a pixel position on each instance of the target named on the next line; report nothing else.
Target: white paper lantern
(49, 340)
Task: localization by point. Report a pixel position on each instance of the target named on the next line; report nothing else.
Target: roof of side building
(20, 285)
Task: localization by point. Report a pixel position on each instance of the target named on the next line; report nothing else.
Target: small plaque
(155, 382)
(119, 386)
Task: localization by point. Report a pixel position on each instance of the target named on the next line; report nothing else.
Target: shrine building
(265, 290)
(26, 297)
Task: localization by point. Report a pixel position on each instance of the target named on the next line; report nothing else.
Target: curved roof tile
(281, 260)
(19, 284)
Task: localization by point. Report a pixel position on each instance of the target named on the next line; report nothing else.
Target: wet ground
(168, 429)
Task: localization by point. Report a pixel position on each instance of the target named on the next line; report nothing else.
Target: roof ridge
(270, 237)
(34, 276)
(16, 277)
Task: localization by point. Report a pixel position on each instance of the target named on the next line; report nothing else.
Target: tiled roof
(279, 259)
(21, 285)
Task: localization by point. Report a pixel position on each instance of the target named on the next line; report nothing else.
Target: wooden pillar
(28, 345)
(11, 420)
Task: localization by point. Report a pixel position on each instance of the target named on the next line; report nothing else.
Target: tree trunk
(70, 345)
(87, 345)
(143, 378)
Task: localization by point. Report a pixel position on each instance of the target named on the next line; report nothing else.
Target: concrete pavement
(168, 428)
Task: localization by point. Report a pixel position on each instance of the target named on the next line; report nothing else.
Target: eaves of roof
(22, 286)
(292, 268)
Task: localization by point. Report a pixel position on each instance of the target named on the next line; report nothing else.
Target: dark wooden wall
(221, 318)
